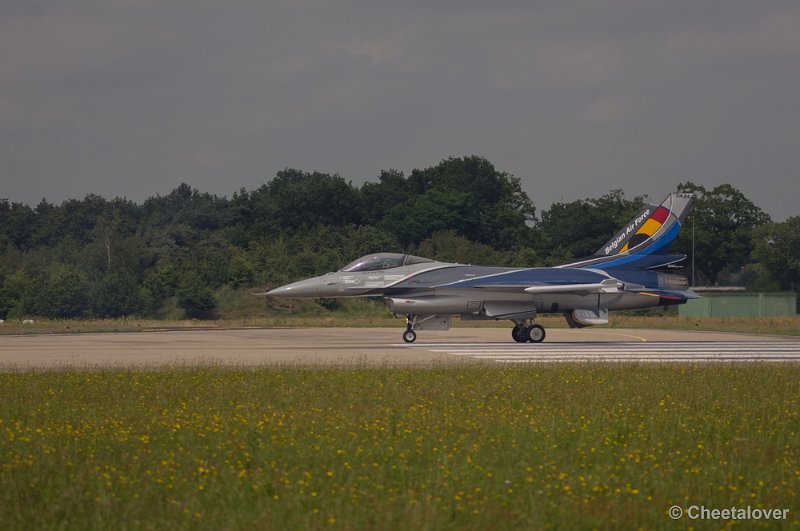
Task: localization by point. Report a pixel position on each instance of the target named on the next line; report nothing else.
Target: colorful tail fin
(645, 241)
(653, 226)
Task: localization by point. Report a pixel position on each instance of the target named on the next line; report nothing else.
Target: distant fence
(741, 305)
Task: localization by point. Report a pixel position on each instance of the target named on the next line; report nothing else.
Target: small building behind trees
(733, 303)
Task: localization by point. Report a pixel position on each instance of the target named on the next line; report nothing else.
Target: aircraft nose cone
(298, 290)
(278, 292)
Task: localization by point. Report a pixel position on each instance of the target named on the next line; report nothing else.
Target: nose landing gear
(424, 322)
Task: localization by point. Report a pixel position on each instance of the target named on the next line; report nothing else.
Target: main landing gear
(523, 333)
(409, 336)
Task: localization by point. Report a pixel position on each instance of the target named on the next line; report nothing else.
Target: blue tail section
(645, 242)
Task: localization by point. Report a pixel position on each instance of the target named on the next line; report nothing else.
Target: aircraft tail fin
(653, 229)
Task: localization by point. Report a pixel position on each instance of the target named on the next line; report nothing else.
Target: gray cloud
(131, 97)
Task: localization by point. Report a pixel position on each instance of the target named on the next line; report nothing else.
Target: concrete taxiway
(383, 346)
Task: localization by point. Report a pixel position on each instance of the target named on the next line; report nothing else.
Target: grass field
(579, 446)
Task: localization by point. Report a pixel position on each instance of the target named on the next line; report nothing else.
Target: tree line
(94, 257)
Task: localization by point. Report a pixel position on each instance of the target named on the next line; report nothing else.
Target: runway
(383, 347)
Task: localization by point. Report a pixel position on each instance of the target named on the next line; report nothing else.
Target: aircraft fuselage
(473, 292)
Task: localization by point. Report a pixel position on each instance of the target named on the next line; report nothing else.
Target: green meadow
(488, 447)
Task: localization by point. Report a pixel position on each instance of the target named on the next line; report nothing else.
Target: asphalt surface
(383, 346)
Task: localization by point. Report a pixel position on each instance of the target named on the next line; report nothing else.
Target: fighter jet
(629, 272)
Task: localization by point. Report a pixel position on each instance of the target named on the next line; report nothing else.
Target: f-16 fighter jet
(626, 273)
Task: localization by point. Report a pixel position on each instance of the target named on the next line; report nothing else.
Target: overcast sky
(132, 97)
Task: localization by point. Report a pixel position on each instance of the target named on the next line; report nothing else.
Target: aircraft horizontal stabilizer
(677, 295)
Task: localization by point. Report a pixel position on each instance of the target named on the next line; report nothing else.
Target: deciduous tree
(721, 222)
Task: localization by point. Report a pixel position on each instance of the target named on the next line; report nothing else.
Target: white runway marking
(627, 352)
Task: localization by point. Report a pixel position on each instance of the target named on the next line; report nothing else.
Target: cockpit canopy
(380, 261)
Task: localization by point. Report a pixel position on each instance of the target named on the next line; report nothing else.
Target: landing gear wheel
(535, 333)
(409, 336)
(520, 334)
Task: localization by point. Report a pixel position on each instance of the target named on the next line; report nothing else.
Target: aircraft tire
(536, 333)
(409, 336)
(520, 334)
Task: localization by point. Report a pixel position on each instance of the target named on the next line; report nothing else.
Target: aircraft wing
(610, 285)
(613, 286)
